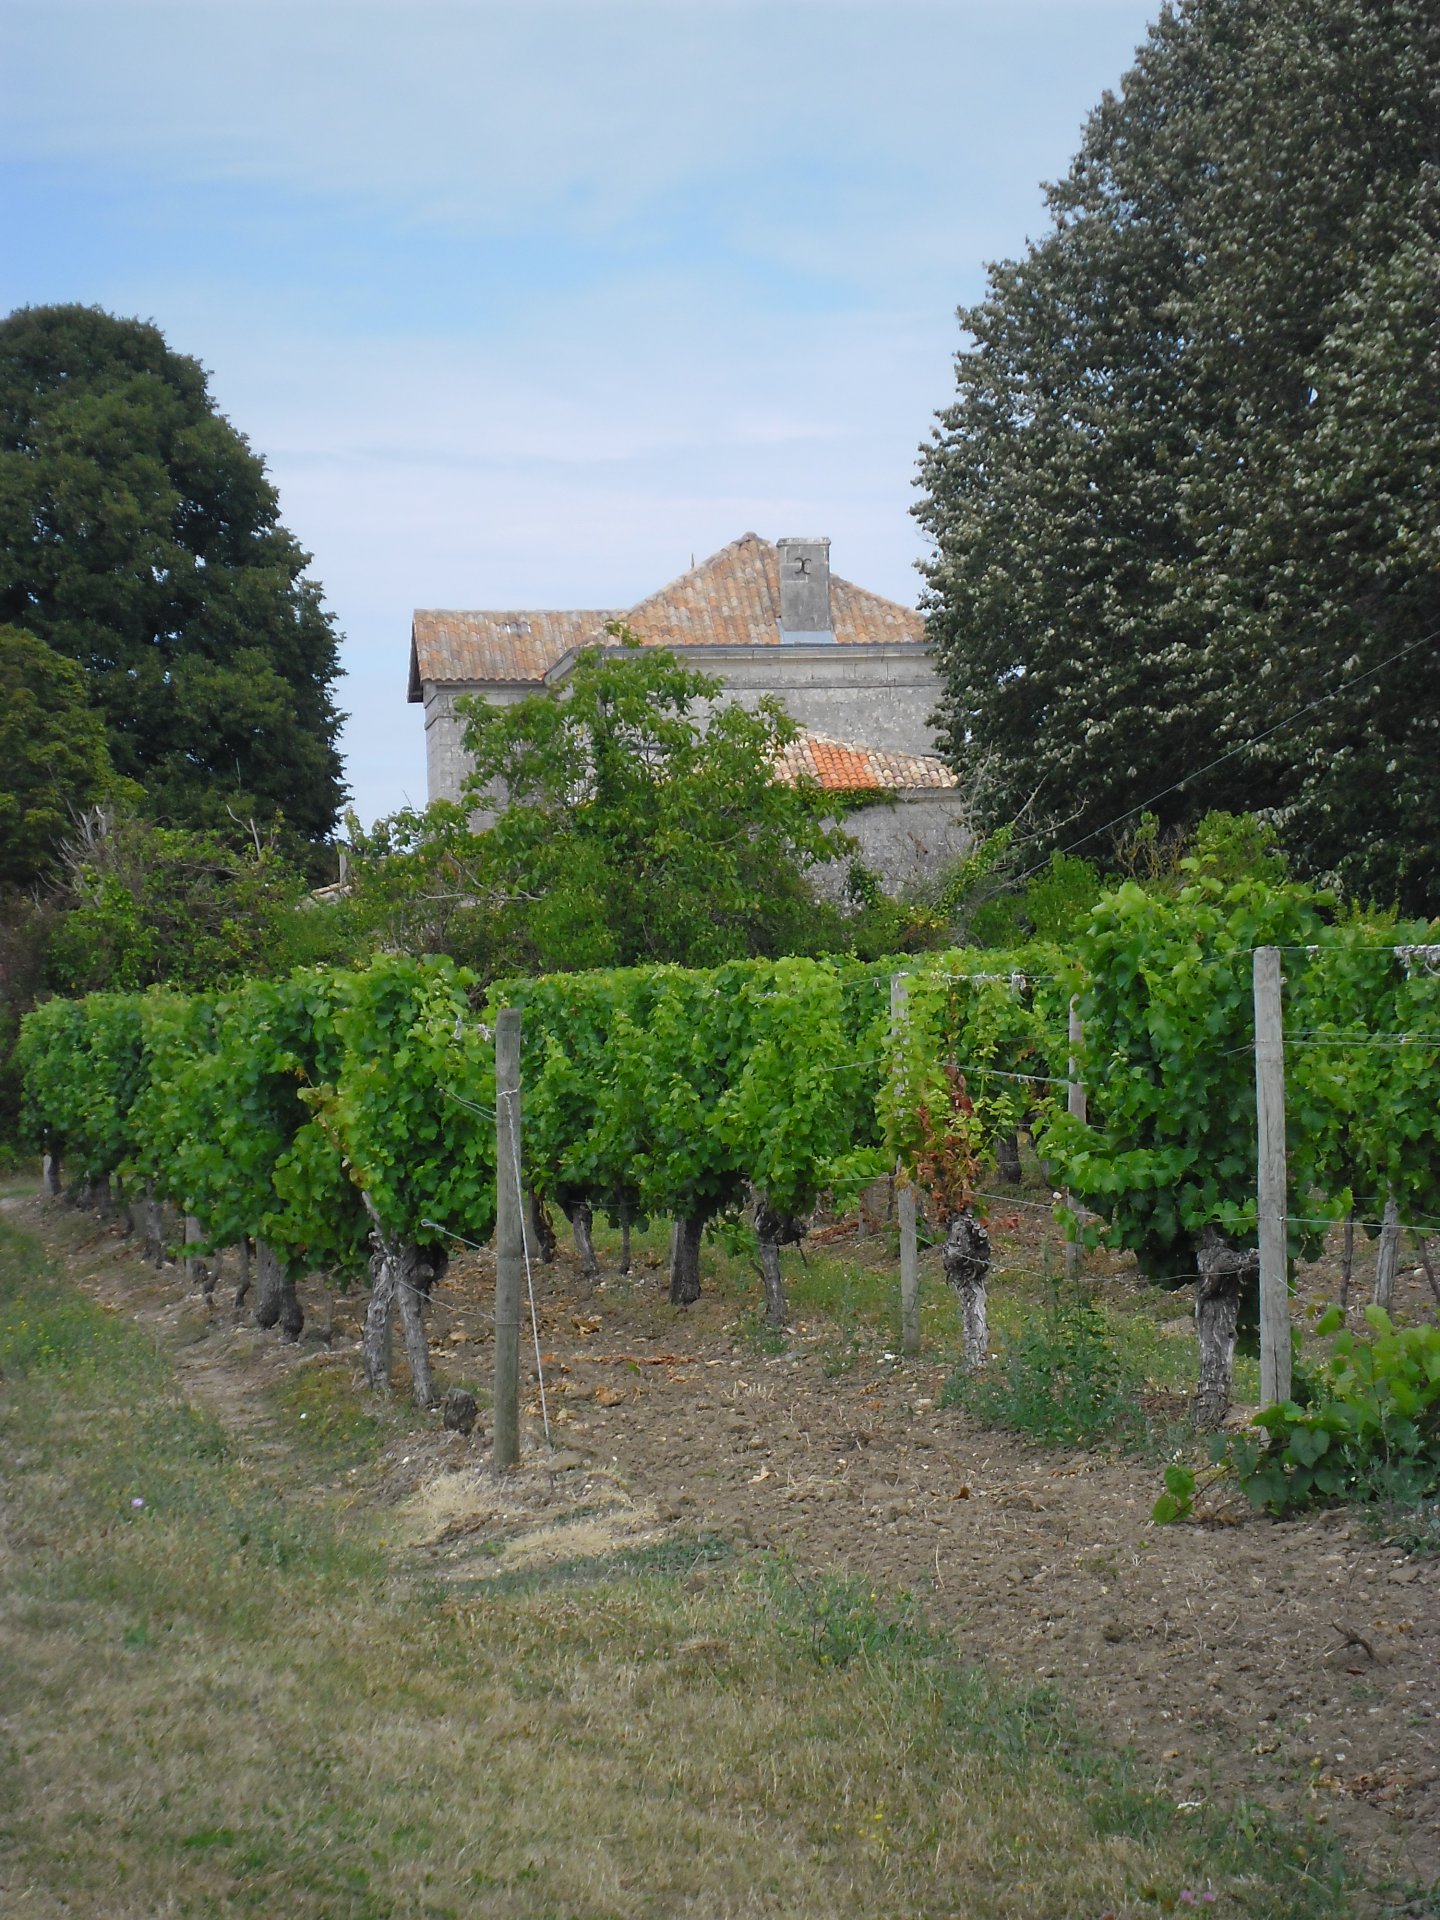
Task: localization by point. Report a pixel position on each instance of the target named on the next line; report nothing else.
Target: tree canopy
(53, 762)
(147, 906)
(140, 538)
(1187, 486)
(643, 822)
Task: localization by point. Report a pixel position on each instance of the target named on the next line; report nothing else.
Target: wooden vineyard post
(905, 1206)
(1270, 1109)
(509, 1239)
(1387, 1254)
(1075, 1105)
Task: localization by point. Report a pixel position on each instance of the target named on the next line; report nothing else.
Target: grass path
(219, 1696)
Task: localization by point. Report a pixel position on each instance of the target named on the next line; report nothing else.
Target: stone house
(763, 617)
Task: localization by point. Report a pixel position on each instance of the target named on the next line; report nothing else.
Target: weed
(1064, 1380)
(1363, 1426)
(838, 1621)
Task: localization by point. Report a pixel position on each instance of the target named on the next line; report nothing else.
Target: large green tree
(140, 538)
(643, 822)
(1188, 483)
(53, 762)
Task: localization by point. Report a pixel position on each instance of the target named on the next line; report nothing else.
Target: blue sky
(525, 304)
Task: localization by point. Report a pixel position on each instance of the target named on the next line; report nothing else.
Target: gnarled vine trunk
(774, 1230)
(278, 1303)
(685, 1260)
(966, 1260)
(1222, 1271)
(242, 1284)
(50, 1175)
(1007, 1158)
(541, 1228)
(375, 1340)
(412, 1288)
(154, 1227)
(400, 1278)
(624, 1236)
(1387, 1254)
(773, 1282)
(198, 1272)
(581, 1219)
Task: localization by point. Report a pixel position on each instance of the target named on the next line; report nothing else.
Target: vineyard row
(344, 1119)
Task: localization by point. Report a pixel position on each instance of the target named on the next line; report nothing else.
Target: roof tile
(731, 599)
(842, 767)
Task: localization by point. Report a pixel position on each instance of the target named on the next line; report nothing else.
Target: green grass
(322, 1412)
(229, 1701)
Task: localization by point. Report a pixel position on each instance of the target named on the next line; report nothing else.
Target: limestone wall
(876, 696)
(921, 833)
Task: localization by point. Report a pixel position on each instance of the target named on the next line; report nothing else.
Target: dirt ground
(1293, 1664)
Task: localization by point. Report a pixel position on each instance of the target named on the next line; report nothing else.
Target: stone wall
(873, 696)
(924, 831)
(446, 761)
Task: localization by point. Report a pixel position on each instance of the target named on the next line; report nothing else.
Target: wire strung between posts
(999, 1073)
(485, 1113)
(512, 1093)
(1364, 1040)
(1341, 1220)
(462, 1313)
(1392, 1041)
(1014, 1200)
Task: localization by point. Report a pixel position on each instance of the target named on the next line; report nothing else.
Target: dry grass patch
(228, 1701)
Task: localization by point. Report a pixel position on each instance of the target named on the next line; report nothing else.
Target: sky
(527, 304)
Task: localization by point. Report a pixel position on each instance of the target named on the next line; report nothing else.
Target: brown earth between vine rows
(1295, 1664)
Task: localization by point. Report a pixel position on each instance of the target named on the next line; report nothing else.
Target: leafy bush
(1372, 1423)
(1365, 1425)
(1063, 1381)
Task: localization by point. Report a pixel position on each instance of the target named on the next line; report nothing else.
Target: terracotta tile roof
(844, 768)
(455, 648)
(731, 599)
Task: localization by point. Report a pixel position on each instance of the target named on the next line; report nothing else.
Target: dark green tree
(1187, 486)
(140, 538)
(644, 823)
(53, 763)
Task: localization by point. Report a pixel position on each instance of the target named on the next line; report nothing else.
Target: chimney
(805, 592)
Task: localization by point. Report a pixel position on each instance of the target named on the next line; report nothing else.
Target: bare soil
(1292, 1664)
